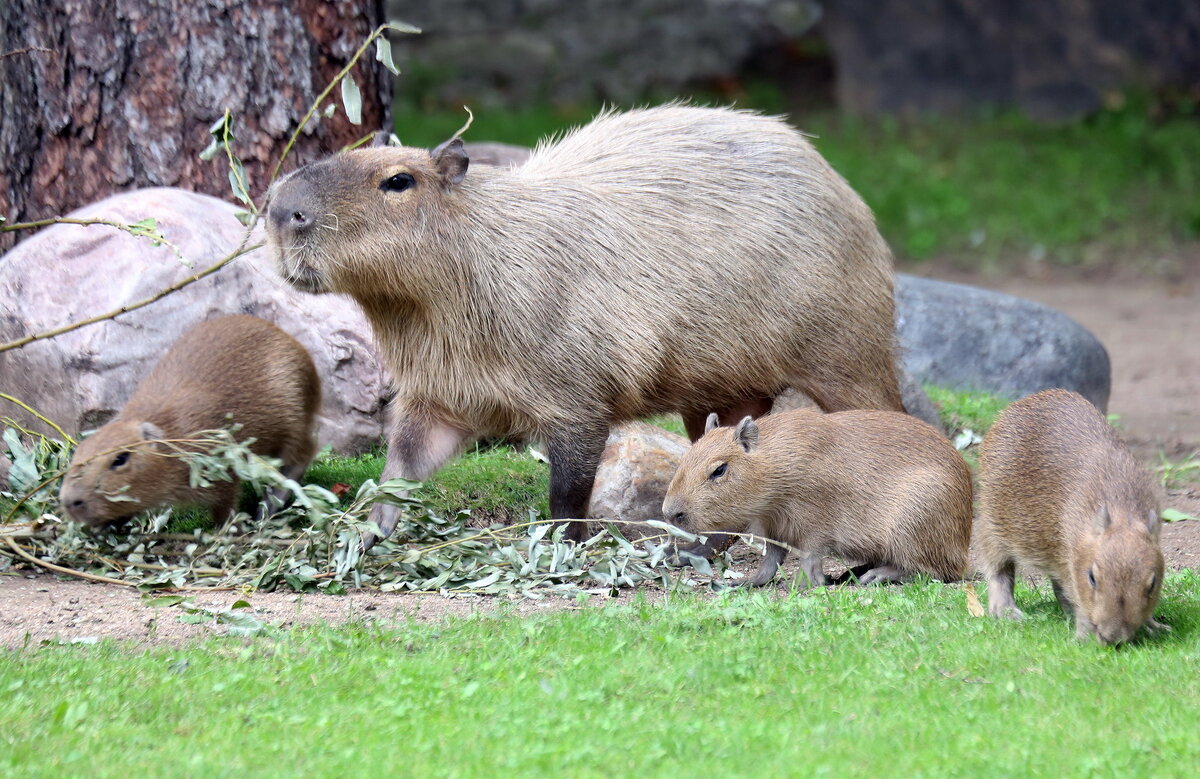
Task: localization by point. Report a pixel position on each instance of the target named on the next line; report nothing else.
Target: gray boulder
(637, 466)
(81, 379)
(964, 337)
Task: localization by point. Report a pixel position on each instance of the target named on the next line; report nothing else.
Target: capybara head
(118, 471)
(1118, 573)
(722, 481)
(330, 223)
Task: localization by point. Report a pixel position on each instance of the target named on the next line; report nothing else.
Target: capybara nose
(291, 209)
(290, 217)
(678, 518)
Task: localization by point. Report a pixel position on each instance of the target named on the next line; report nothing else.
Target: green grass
(497, 483)
(977, 190)
(962, 410)
(896, 680)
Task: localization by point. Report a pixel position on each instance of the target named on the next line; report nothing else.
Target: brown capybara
(666, 259)
(873, 487)
(1061, 495)
(232, 370)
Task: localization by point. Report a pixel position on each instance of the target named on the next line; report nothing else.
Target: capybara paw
(385, 517)
(1154, 626)
(1001, 611)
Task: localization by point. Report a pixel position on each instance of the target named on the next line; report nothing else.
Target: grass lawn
(977, 190)
(894, 680)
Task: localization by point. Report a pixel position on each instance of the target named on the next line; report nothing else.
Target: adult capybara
(873, 487)
(230, 370)
(1061, 495)
(667, 259)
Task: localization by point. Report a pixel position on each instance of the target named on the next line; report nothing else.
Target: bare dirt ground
(1151, 327)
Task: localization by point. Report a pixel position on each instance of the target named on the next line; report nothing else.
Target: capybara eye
(719, 471)
(119, 460)
(398, 183)
(1091, 578)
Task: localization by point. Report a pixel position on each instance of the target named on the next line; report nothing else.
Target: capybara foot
(386, 517)
(1154, 626)
(883, 574)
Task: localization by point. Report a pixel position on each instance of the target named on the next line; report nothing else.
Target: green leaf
(163, 601)
(237, 181)
(240, 604)
(1175, 515)
(210, 151)
(383, 53)
(402, 27)
(351, 99)
(329, 109)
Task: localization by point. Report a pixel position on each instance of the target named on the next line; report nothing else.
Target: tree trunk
(127, 90)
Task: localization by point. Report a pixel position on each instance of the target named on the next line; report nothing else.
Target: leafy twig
(316, 105)
(31, 410)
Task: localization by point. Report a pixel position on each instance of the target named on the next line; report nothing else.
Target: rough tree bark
(129, 89)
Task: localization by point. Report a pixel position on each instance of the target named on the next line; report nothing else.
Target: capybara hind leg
(841, 393)
(770, 564)
(884, 574)
(574, 458)
(418, 445)
(1000, 592)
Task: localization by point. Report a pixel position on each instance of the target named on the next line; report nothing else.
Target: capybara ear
(712, 423)
(150, 431)
(1153, 524)
(1103, 519)
(451, 161)
(383, 138)
(746, 434)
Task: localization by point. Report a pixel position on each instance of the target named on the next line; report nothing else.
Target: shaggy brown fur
(1060, 494)
(874, 487)
(668, 259)
(230, 370)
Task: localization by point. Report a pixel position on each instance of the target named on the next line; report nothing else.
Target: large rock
(637, 466)
(964, 337)
(66, 273)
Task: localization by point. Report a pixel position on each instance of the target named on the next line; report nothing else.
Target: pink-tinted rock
(635, 471)
(66, 273)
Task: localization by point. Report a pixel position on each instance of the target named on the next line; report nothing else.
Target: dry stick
(27, 50)
(242, 249)
(60, 569)
(28, 408)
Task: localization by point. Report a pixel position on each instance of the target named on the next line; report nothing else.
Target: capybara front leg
(1000, 591)
(574, 457)
(1061, 596)
(770, 564)
(222, 501)
(418, 445)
